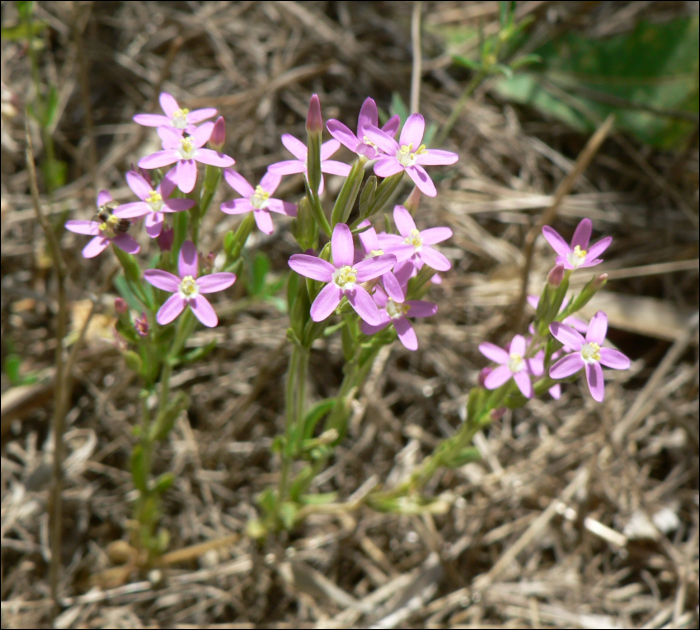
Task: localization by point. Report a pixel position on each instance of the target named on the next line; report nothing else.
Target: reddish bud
(218, 134)
(555, 276)
(411, 203)
(314, 120)
(497, 414)
(120, 306)
(141, 325)
(165, 239)
(599, 282)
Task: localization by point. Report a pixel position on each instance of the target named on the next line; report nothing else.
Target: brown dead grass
(580, 515)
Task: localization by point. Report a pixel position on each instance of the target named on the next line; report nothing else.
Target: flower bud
(595, 284)
(141, 325)
(314, 119)
(314, 132)
(555, 276)
(165, 239)
(497, 414)
(120, 306)
(218, 134)
(412, 201)
(600, 282)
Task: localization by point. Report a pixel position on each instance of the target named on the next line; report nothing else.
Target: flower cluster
(525, 359)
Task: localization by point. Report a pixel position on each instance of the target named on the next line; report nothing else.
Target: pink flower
(175, 117)
(587, 353)
(299, 151)
(408, 154)
(343, 277)
(513, 364)
(414, 245)
(372, 248)
(104, 232)
(186, 150)
(154, 203)
(257, 200)
(396, 313)
(187, 289)
(577, 255)
(360, 143)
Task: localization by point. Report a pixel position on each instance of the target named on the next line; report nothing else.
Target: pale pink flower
(175, 117)
(186, 151)
(257, 200)
(577, 255)
(360, 143)
(372, 248)
(408, 154)
(188, 288)
(298, 149)
(104, 232)
(513, 364)
(587, 353)
(154, 203)
(343, 277)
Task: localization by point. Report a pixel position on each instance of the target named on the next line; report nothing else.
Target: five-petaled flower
(343, 277)
(186, 150)
(370, 244)
(396, 313)
(413, 244)
(175, 117)
(188, 288)
(587, 353)
(104, 232)
(154, 203)
(408, 154)
(257, 200)
(360, 143)
(512, 364)
(578, 254)
(298, 149)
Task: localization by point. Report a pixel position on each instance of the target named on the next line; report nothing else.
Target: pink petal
(329, 148)
(103, 197)
(138, 184)
(582, 235)
(383, 141)
(364, 305)
(168, 103)
(204, 311)
(96, 246)
(522, 380)
(419, 308)
(369, 115)
(518, 345)
(162, 280)
(342, 246)
(367, 329)
(237, 206)
(567, 335)
(238, 183)
(295, 147)
(597, 328)
(433, 258)
(567, 366)
(201, 135)
(493, 352)
(368, 238)
(287, 167)
(151, 120)
(612, 358)
(133, 210)
(127, 243)
(381, 299)
(559, 245)
(596, 384)
(171, 137)
(168, 184)
(159, 159)
(407, 336)
(392, 125)
(404, 221)
(216, 282)
(198, 115)
(392, 287)
(341, 133)
(332, 167)
(534, 300)
(264, 221)
(214, 158)
(326, 301)
(188, 264)
(91, 228)
(386, 166)
(312, 267)
(177, 205)
(413, 130)
(374, 267)
(436, 157)
(555, 392)
(154, 224)
(599, 247)
(421, 179)
(282, 207)
(270, 182)
(435, 235)
(172, 307)
(498, 377)
(186, 175)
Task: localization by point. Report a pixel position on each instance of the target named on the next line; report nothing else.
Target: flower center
(155, 200)
(187, 148)
(590, 352)
(179, 118)
(345, 277)
(415, 239)
(407, 156)
(376, 252)
(577, 257)
(516, 363)
(259, 198)
(188, 288)
(109, 226)
(368, 142)
(396, 311)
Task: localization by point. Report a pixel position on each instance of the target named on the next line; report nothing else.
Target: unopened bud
(555, 276)
(412, 201)
(165, 239)
(600, 282)
(141, 325)
(314, 119)
(218, 134)
(120, 306)
(595, 284)
(497, 414)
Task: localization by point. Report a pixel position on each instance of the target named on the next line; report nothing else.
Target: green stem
(459, 106)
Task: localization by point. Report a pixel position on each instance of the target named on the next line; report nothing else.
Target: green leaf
(398, 106)
(648, 78)
(257, 273)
